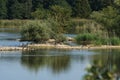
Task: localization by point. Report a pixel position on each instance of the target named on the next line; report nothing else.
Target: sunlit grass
(13, 23)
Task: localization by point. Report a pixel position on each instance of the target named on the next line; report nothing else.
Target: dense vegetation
(42, 31)
(24, 9)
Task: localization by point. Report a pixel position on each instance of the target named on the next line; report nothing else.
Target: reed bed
(13, 23)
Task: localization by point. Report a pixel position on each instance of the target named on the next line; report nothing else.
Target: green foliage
(103, 41)
(22, 9)
(99, 71)
(40, 14)
(97, 5)
(116, 26)
(60, 13)
(88, 38)
(107, 18)
(19, 9)
(41, 31)
(81, 8)
(85, 38)
(13, 23)
(26, 9)
(115, 41)
(117, 2)
(15, 9)
(3, 9)
(36, 31)
(57, 31)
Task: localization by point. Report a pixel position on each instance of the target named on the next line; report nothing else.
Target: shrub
(41, 31)
(104, 41)
(115, 41)
(85, 38)
(108, 41)
(36, 31)
(40, 14)
(98, 42)
(60, 38)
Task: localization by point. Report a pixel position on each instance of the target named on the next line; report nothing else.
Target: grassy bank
(13, 23)
(75, 25)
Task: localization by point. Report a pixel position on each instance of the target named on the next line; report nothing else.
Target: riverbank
(13, 48)
(58, 46)
(62, 46)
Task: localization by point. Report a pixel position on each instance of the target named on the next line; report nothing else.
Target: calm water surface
(51, 64)
(44, 65)
(9, 37)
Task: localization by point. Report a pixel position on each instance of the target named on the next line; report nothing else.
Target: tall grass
(13, 23)
(79, 26)
(85, 38)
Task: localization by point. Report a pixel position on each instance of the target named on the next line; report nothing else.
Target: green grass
(13, 23)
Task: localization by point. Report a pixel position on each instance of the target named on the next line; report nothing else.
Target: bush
(115, 41)
(60, 38)
(41, 31)
(40, 14)
(85, 38)
(109, 41)
(36, 31)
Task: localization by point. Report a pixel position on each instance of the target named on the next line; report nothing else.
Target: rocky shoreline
(58, 46)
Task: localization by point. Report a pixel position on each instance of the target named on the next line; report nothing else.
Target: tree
(14, 9)
(106, 3)
(27, 9)
(3, 9)
(37, 4)
(109, 18)
(97, 5)
(60, 13)
(19, 9)
(40, 13)
(81, 8)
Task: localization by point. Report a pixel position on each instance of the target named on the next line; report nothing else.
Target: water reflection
(110, 57)
(105, 65)
(42, 59)
(44, 64)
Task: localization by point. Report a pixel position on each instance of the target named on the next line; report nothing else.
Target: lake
(10, 36)
(50, 64)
